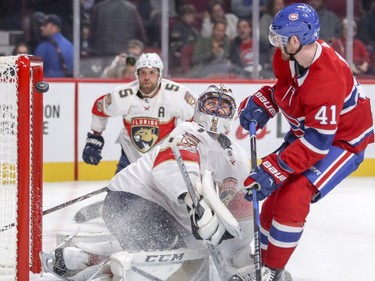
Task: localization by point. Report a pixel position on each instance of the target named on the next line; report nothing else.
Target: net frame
(28, 175)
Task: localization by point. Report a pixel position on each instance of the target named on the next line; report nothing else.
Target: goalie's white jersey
(147, 121)
(156, 176)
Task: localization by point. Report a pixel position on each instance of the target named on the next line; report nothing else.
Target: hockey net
(21, 123)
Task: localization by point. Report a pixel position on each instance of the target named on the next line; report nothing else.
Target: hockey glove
(206, 226)
(92, 153)
(271, 173)
(258, 107)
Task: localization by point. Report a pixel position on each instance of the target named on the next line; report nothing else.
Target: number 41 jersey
(324, 106)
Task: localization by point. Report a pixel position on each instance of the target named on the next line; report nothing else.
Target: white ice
(338, 243)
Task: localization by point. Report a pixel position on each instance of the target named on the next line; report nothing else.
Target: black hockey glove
(92, 153)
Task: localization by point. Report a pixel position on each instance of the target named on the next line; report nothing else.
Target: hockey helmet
(297, 19)
(149, 60)
(215, 109)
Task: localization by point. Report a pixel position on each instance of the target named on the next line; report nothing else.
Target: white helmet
(216, 117)
(149, 60)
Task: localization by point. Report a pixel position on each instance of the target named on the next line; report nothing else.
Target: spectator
(153, 24)
(366, 31)
(123, 65)
(241, 51)
(56, 50)
(113, 24)
(215, 13)
(33, 34)
(244, 8)
(183, 34)
(361, 57)
(266, 49)
(330, 24)
(339, 7)
(85, 10)
(211, 55)
(21, 48)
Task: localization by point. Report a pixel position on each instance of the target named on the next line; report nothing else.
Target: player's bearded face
(148, 79)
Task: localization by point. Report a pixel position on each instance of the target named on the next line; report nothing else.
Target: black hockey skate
(268, 274)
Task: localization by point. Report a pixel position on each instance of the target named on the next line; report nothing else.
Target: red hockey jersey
(324, 106)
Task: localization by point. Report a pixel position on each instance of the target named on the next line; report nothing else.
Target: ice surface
(338, 243)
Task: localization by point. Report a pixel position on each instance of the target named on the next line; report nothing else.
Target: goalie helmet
(215, 109)
(297, 19)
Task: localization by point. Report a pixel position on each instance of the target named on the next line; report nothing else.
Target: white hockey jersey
(147, 121)
(156, 175)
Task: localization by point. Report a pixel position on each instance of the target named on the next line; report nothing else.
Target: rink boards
(67, 119)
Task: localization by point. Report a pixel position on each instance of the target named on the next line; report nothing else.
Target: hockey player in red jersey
(330, 127)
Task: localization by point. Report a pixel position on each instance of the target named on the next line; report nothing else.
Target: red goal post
(21, 162)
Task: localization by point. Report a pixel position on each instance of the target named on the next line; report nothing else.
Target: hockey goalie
(157, 232)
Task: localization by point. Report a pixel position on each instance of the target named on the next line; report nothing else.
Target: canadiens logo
(144, 133)
(293, 16)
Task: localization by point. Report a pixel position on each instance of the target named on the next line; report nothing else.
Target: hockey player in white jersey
(150, 213)
(150, 106)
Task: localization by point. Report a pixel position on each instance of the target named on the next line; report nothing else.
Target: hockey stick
(61, 206)
(253, 157)
(215, 253)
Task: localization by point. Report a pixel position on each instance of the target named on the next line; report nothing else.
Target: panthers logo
(144, 133)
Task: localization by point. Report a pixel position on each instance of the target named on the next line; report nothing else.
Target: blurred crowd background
(203, 39)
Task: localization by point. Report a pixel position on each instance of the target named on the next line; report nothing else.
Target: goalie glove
(207, 225)
(258, 107)
(92, 153)
(213, 222)
(270, 175)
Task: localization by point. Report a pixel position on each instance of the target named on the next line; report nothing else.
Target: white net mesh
(8, 164)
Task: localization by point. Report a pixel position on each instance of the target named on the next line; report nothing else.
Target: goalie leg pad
(99, 271)
(75, 258)
(180, 264)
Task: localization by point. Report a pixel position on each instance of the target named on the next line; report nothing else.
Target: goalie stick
(61, 206)
(215, 252)
(253, 157)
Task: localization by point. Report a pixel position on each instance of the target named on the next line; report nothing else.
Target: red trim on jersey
(97, 108)
(167, 155)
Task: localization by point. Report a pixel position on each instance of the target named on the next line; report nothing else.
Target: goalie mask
(215, 109)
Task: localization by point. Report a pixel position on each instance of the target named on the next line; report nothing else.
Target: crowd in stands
(206, 38)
